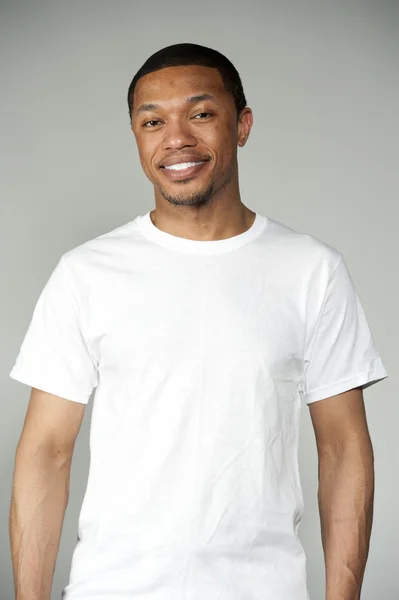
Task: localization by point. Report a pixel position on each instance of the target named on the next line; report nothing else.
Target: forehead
(174, 84)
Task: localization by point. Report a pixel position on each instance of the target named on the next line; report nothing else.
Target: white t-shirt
(201, 353)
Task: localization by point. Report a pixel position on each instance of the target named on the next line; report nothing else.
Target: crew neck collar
(150, 231)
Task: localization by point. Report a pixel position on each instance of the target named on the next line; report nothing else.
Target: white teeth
(181, 166)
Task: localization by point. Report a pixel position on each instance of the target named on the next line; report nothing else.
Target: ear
(245, 122)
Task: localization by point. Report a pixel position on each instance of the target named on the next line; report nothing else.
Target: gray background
(322, 157)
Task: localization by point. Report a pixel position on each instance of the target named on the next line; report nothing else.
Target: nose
(177, 135)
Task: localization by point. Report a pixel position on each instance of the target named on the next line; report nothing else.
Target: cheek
(225, 139)
(146, 153)
(226, 150)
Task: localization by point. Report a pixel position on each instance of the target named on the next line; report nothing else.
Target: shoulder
(303, 252)
(101, 250)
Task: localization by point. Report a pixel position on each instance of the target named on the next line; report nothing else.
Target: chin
(185, 197)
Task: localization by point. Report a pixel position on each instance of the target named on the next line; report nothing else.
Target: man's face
(185, 125)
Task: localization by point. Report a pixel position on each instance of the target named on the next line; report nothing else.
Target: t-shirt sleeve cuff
(365, 379)
(55, 388)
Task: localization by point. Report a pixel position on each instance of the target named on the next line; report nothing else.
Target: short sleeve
(54, 356)
(342, 354)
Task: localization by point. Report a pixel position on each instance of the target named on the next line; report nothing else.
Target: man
(202, 325)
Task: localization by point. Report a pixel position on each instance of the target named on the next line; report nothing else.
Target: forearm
(39, 499)
(346, 492)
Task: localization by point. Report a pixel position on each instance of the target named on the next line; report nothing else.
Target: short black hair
(185, 54)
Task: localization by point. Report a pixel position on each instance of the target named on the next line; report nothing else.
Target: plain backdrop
(322, 157)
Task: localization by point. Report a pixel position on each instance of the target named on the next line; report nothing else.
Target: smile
(182, 166)
(182, 171)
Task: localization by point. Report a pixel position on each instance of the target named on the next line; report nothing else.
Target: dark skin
(346, 490)
(205, 205)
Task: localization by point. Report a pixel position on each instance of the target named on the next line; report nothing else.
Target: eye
(203, 113)
(147, 124)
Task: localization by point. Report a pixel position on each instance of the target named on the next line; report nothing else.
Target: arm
(40, 491)
(346, 490)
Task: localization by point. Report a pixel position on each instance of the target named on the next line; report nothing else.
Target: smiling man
(203, 326)
(187, 141)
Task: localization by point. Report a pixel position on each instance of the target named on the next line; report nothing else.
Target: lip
(175, 160)
(185, 173)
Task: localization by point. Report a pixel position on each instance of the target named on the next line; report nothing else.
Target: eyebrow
(191, 100)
